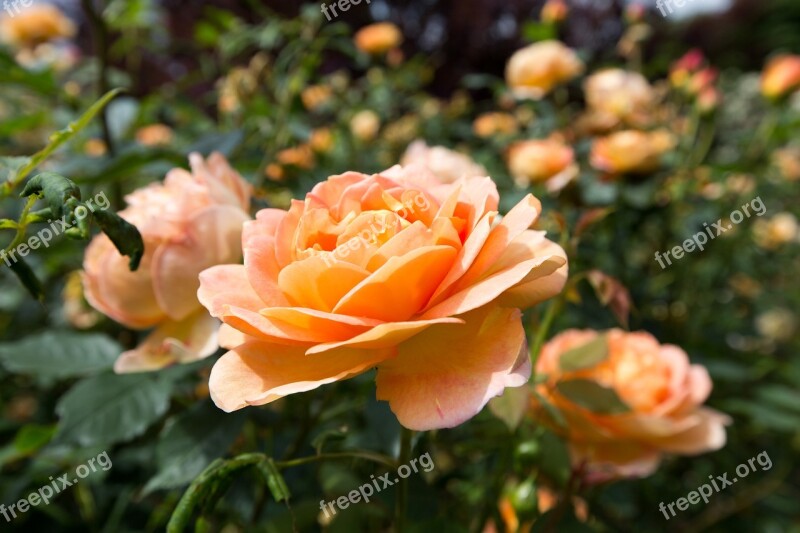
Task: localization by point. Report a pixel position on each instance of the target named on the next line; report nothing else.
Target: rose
(619, 95)
(780, 76)
(631, 151)
(535, 70)
(661, 391)
(429, 293)
(189, 223)
(537, 161)
(378, 38)
(34, 25)
(447, 165)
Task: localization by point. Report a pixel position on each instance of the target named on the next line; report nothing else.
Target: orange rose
(546, 160)
(554, 11)
(154, 135)
(620, 95)
(536, 69)
(651, 401)
(631, 151)
(34, 25)
(396, 271)
(378, 38)
(780, 76)
(190, 222)
(491, 124)
(448, 165)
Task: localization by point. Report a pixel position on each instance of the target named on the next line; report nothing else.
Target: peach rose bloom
(34, 25)
(378, 38)
(548, 161)
(395, 271)
(631, 151)
(447, 165)
(662, 390)
(190, 222)
(620, 95)
(495, 123)
(535, 70)
(780, 76)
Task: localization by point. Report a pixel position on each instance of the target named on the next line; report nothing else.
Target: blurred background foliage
(290, 100)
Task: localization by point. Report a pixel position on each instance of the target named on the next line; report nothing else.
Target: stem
(369, 456)
(402, 491)
(101, 46)
(544, 327)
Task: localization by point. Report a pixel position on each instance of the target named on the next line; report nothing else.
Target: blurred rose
(321, 140)
(681, 71)
(778, 325)
(780, 76)
(301, 156)
(34, 25)
(365, 125)
(378, 38)
(773, 233)
(708, 100)
(788, 162)
(396, 271)
(631, 151)
(190, 222)
(535, 70)
(448, 165)
(625, 96)
(491, 124)
(554, 11)
(95, 147)
(536, 161)
(154, 135)
(316, 96)
(661, 392)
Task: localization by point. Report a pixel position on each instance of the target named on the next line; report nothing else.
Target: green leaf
(60, 137)
(511, 406)
(27, 277)
(592, 396)
(123, 234)
(586, 356)
(60, 354)
(54, 188)
(190, 442)
(27, 441)
(108, 409)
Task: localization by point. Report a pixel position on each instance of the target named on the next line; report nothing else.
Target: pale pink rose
(662, 390)
(189, 223)
(395, 271)
(448, 165)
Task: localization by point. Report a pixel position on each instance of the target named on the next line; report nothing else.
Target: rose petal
(403, 285)
(258, 373)
(446, 374)
(172, 342)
